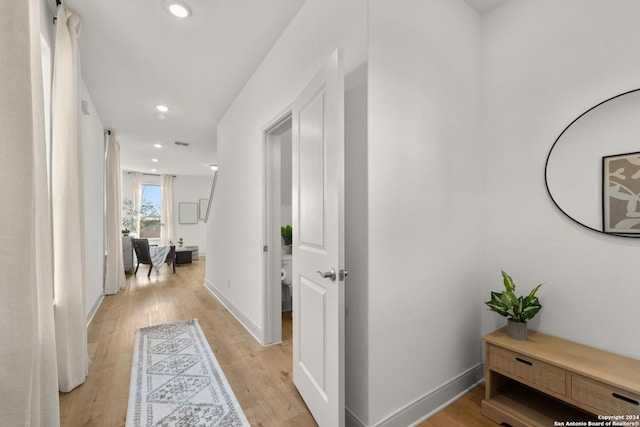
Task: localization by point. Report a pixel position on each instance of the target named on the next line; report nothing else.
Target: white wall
(234, 267)
(356, 247)
(286, 190)
(425, 206)
(546, 62)
(418, 183)
(92, 137)
(190, 189)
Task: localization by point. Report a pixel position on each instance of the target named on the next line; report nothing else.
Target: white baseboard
(94, 309)
(251, 327)
(426, 406)
(351, 420)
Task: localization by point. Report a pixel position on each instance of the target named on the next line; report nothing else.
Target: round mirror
(591, 172)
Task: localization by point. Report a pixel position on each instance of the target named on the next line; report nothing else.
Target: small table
(184, 255)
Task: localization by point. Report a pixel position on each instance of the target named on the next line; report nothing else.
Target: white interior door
(318, 244)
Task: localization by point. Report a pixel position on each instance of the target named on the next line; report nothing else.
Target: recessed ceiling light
(162, 108)
(214, 167)
(154, 160)
(178, 9)
(153, 170)
(157, 145)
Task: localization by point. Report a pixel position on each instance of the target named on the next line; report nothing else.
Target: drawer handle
(626, 399)
(526, 362)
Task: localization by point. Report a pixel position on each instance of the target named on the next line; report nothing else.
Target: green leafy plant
(132, 217)
(507, 304)
(287, 235)
(180, 242)
(129, 216)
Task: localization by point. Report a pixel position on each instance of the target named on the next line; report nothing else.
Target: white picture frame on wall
(188, 213)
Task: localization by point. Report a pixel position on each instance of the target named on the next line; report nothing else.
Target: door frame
(271, 292)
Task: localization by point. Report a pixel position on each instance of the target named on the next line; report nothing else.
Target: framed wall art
(621, 194)
(188, 213)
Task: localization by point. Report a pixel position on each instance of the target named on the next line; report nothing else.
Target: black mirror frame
(546, 165)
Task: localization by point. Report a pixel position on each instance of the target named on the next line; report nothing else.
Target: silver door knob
(331, 274)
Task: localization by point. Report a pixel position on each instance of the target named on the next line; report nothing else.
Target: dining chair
(141, 247)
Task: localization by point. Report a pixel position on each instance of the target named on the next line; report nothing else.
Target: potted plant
(132, 219)
(287, 237)
(129, 217)
(516, 309)
(180, 242)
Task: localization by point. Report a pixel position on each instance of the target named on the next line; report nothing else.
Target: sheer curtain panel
(166, 231)
(67, 206)
(28, 379)
(114, 275)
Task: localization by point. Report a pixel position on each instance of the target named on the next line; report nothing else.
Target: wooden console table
(548, 381)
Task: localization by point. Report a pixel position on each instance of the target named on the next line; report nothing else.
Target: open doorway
(278, 259)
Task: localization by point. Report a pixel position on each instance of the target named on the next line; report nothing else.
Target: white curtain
(136, 183)
(28, 379)
(68, 206)
(114, 274)
(166, 196)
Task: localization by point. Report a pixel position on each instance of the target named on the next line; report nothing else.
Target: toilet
(286, 281)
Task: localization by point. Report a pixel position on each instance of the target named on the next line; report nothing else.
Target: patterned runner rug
(176, 381)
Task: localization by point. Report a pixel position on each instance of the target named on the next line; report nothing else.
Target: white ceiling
(135, 55)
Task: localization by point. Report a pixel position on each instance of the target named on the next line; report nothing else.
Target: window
(150, 212)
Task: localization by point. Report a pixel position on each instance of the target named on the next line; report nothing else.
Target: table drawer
(604, 399)
(539, 373)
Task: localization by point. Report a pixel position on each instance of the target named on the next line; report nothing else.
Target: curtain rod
(150, 174)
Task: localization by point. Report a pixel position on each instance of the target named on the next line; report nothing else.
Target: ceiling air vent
(183, 144)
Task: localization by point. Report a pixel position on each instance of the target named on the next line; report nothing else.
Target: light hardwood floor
(259, 376)
(464, 412)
